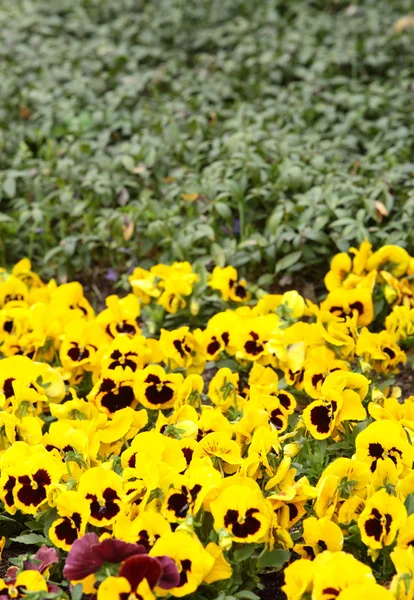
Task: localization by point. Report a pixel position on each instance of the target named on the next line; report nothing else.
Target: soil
(405, 380)
(13, 551)
(272, 586)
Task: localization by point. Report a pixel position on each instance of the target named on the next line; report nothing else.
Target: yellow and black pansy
(156, 389)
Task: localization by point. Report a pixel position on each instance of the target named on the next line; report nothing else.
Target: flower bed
(200, 431)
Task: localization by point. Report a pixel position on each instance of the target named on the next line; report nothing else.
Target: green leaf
(77, 592)
(276, 559)
(128, 163)
(7, 519)
(265, 280)
(243, 553)
(9, 187)
(409, 504)
(288, 261)
(29, 539)
(5, 218)
(247, 594)
(223, 210)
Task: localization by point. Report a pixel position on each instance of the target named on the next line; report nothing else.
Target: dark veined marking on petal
(253, 348)
(397, 451)
(151, 378)
(33, 496)
(8, 326)
(276, 418)
(322, 545)
(389, 351)
(225, 336)
(373, 528)
(42, 477)
(110, 494)
(285, 400)
(185, 568)
(309, 551)
(214, 346)
(388, 521)
(68, 448)
(156, 396)
(65, 532)
(178, 504)
(50, 447)
(293, 512)
(338, 311)
(188, 454)
(77, 354)
(109, 510)
(81, 308)
(332, 591)
(358, 306)
(118, 399)
(143, 539)
(125, 327)
(107, 385)
(317, 378)
(375, 450)
(178, 345)
(195, 491)
(127, 363)
(29, 496)
(13, 298)
(240, 291)
(231, 517)
(8, 390)
(77, 519)
(250, 526)
(9, 486)
(132, 460)
(321, 418)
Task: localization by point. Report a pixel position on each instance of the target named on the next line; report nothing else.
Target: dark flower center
(249, 526)
(106, 510)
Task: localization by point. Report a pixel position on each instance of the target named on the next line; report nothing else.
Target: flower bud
(291, 449)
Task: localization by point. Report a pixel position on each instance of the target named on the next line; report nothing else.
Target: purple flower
(111, 275)
(88, 554)
(170, 577)
(44, 557)
(137, 568)
(115, 551)
(158, 570)
(81, 560)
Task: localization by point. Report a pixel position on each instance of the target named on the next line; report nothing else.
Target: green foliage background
(289, 119)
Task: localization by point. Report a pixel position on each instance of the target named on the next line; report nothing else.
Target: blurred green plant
(267, 135)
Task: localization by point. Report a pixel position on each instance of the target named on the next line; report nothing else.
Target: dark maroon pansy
(11, 575)
(81, 560)
(115, 551)
(88, 554)
(137, 568)
(159, 570)
(170, 577)
(44, 558)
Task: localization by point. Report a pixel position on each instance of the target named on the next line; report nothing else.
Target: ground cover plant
(267, 134)
(199, 431)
